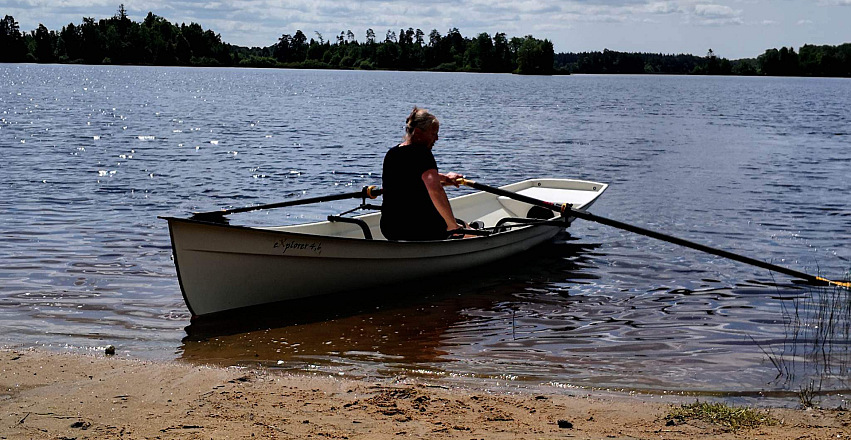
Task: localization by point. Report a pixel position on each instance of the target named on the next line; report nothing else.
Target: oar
(370, 192)
(565, 209)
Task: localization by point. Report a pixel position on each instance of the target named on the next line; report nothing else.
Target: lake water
(91, 155)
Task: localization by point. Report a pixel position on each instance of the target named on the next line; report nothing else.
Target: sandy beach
(48, 395)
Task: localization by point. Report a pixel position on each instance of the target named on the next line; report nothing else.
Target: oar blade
(844, 284)
(210, 217)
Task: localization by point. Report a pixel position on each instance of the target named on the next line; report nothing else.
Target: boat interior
(488, 213)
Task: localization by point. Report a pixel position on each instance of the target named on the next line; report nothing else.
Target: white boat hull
(223, 267)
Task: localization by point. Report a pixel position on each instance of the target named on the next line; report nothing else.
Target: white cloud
(662, 8)
(715, 11)
(601, 18)
(714, 15)
(69, 3)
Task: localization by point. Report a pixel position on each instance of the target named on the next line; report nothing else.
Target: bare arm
(434, 184)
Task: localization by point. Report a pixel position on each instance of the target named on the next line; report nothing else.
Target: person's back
(407, 210)
(415, 206)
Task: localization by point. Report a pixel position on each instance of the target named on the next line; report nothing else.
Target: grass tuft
(807, 395)
(730, 417)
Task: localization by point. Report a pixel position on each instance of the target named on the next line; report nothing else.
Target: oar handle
(566, 209)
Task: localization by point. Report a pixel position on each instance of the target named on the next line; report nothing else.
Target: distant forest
(156, 41)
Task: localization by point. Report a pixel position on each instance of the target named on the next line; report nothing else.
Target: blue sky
(732, 28)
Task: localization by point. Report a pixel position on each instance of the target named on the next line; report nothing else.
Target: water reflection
(401, 328)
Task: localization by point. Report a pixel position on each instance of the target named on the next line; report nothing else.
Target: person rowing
(415, 206)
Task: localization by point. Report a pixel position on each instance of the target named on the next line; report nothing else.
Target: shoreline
(67, 395)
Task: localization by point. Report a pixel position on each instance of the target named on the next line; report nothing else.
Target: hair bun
(419, 118)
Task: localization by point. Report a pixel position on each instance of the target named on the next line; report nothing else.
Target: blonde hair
(419, 118)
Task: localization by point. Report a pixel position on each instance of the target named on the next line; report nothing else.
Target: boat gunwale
(598, 188)
(551, 223)
(278, 229)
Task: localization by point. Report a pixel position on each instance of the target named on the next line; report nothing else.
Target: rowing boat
(222, 267)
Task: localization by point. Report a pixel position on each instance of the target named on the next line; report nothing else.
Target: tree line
(156, 41)
(810, 61)
(613, 62)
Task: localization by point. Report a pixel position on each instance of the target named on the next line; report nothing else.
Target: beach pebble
(564, 424)
(109, 350)
(81, 425)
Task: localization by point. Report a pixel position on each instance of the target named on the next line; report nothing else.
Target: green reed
(816, 350)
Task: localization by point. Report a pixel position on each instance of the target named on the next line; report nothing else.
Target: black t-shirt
(407, 210)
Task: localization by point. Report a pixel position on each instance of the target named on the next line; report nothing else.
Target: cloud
(601, 18)
(60, 4)
(611, 3)
(710, 14)
(714, 11)
(662, 8)
(804, 22)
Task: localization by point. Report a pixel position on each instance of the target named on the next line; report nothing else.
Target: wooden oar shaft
(369, 192)
(568, 211)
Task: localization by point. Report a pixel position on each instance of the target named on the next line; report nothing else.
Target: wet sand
(71, 396)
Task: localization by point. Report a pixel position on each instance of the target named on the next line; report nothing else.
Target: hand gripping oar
(566, 210)
(368, 192)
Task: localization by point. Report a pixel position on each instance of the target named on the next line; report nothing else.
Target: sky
(731, 28)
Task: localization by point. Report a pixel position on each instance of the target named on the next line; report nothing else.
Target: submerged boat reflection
(400, 326)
